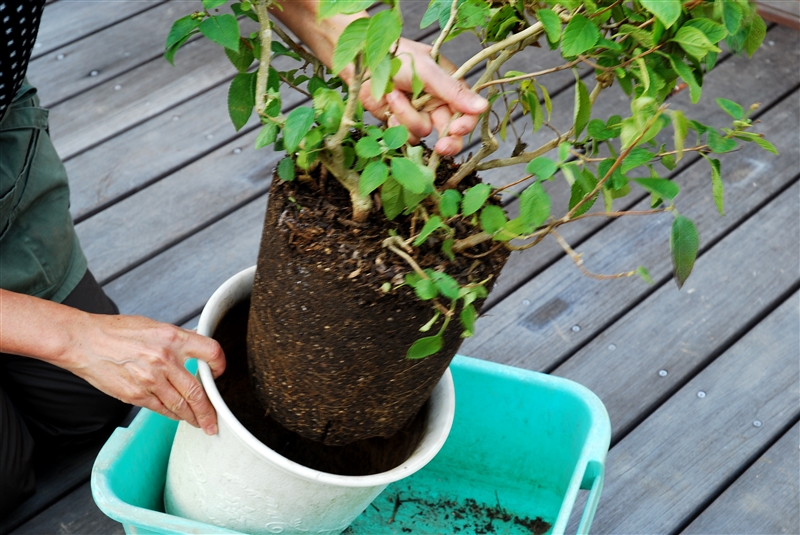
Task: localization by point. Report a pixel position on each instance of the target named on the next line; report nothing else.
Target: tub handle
(593, 479)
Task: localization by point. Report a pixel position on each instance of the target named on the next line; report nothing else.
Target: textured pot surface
(234, 481)
(306, 316)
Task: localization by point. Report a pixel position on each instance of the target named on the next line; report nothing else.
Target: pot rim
(442, 406)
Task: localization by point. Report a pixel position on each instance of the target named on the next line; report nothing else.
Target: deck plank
(533, 327)
(68, 21)
(765, 499)
(75, 514)
(137, 39)
(661, 474)
(763, 79)
(738, 280)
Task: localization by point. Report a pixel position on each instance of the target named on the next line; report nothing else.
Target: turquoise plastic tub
(522, 446)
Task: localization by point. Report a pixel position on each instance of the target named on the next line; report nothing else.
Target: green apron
(39, 251)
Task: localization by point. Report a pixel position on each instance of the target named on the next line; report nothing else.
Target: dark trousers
(45, 408)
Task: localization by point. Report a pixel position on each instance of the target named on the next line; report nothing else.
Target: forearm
(37, 328)
(321, 36)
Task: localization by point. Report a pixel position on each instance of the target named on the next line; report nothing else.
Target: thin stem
(527, 76)
(445, 31)
(262, 77)
(296, 48)
(577, 258)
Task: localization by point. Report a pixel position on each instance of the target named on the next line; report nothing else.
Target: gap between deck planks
(684, 455)
(765, 499)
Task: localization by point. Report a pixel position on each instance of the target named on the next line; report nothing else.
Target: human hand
(450, 96)
(141, 361)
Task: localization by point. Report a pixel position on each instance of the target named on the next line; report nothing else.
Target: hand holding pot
(132, 358)
(141, 361)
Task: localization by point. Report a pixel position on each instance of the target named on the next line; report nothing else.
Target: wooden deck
(702, 385)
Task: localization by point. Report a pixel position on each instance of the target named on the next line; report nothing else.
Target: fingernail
(479, 103)
(393, 121)
(211, 430)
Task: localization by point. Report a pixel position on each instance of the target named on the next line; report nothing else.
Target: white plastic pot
(234, 481)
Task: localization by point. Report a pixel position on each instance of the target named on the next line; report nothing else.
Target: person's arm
(450, 95)
(132, 358)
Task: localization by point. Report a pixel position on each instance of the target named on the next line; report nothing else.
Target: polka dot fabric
(19, 24)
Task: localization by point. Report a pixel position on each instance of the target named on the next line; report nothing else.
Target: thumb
(456, 94)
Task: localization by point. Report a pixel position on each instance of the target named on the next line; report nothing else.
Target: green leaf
(474, 198)
(635, 158)
(542, 167)
(755, 35)
(764, 144)
(643, 37)
(597, 130)
(719, 144)
(583, 106)
(434, 12)
(681, 127)
(448, 203)
(181, 29)
(241, 98)
(445, 284)
(267, 136)
(584, 184)
(694, 42)
(367, 147)
(579, 36)
(329, 108)
(551, 23)
(684, 244)
(222, 29)
(731, 108)
(350, 43)
(169, 55)
(241, 58)
(430, 226)
(286, 169)
(211, 4)
(329, 8)
(395, 137)
(717, 187)
(372, 177)
(644, 274)
(714, 31)
(426, 289)
(468, 317)
(297, 126)
(667, 11)
(392, 198)
(493, 218)
(534, 205)
(685, 72)
(379, 81)
(731, 15)
(384, 29)
(413, 177)
(659, 187)
(425, 347)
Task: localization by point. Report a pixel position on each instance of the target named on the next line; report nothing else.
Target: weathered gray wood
(765, 499)
(175, 285)
(71, 20)
(75, 514)
(67, 70)
(678, 331)
(683, 454)
(144, 92)
(762, 79)
(533, 327)
(54, 479)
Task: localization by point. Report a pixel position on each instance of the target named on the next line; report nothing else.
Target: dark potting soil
(363, 457)
(402, 513)
(327, 345)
